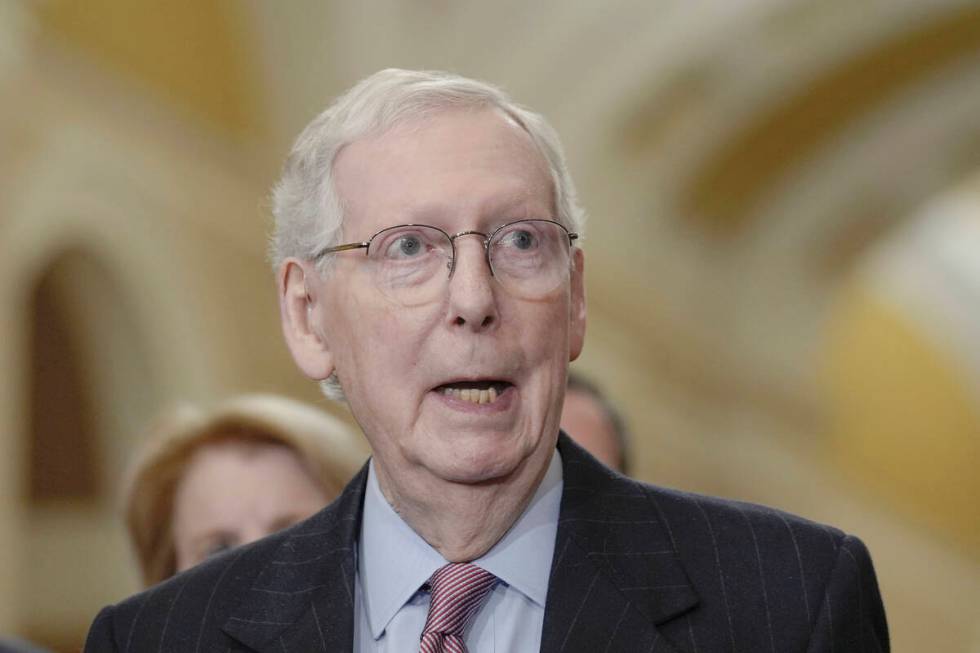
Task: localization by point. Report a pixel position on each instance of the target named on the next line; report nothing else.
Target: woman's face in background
(236, 491)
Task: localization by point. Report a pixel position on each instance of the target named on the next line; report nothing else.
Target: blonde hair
(326, 446)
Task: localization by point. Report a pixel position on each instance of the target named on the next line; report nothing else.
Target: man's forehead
(412, 169)
(427, 119)
(409, 134)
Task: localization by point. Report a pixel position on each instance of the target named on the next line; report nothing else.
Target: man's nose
(472, 302)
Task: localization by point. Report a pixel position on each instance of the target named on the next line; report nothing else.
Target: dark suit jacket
(636, 568)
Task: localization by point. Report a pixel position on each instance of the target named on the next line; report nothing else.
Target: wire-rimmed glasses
(412, 263)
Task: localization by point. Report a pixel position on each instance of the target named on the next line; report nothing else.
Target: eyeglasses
(412, 263)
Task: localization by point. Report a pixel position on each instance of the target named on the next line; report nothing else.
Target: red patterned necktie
(458, 592)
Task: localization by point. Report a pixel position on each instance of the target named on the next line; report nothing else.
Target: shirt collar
(394, 561)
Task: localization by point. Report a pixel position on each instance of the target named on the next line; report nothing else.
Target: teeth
(472, 395)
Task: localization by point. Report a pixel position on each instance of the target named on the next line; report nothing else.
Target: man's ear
(300, 308)
(576, 317)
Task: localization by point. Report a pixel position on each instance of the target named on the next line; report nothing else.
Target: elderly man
(428, 273)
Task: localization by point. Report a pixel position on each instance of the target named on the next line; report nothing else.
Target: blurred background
(783, 254)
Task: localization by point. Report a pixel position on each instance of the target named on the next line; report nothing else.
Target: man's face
(403, 368)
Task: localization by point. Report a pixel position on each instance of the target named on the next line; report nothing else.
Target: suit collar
(615, 576)
(394, 561)
(305, 594)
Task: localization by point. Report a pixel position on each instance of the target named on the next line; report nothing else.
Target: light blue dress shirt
(393, 562)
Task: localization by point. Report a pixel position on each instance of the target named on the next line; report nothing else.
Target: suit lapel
(305, 595)
(615, 576)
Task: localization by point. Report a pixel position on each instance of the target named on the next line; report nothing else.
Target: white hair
(307, 209)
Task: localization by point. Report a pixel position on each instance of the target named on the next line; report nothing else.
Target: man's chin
(480, 465)
(473, 473)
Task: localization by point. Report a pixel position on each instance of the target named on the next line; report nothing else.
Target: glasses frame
(486, 237)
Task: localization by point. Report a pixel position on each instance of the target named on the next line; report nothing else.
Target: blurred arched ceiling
(195, 55)
(741, 155)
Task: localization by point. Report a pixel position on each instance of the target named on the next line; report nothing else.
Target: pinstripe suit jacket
(636, 568)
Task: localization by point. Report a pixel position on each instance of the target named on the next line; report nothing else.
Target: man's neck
(463, 521)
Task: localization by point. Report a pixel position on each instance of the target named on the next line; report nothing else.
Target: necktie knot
(458, 591)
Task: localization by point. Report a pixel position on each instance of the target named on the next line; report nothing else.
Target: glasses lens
(530, 257)
(411, 262)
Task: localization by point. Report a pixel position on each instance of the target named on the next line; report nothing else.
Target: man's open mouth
(477, 392)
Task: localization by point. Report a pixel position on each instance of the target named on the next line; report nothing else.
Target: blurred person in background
(210, 480)
(595, 423)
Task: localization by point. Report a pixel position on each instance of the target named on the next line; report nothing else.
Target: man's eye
(405, 247)
(520, 239)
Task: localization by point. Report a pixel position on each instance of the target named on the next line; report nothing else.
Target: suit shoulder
(191, 610)
(696, 519)
(209, 589)
(763, 561)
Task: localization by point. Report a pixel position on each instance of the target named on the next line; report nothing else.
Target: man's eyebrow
(510, 206)
(520, 207)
